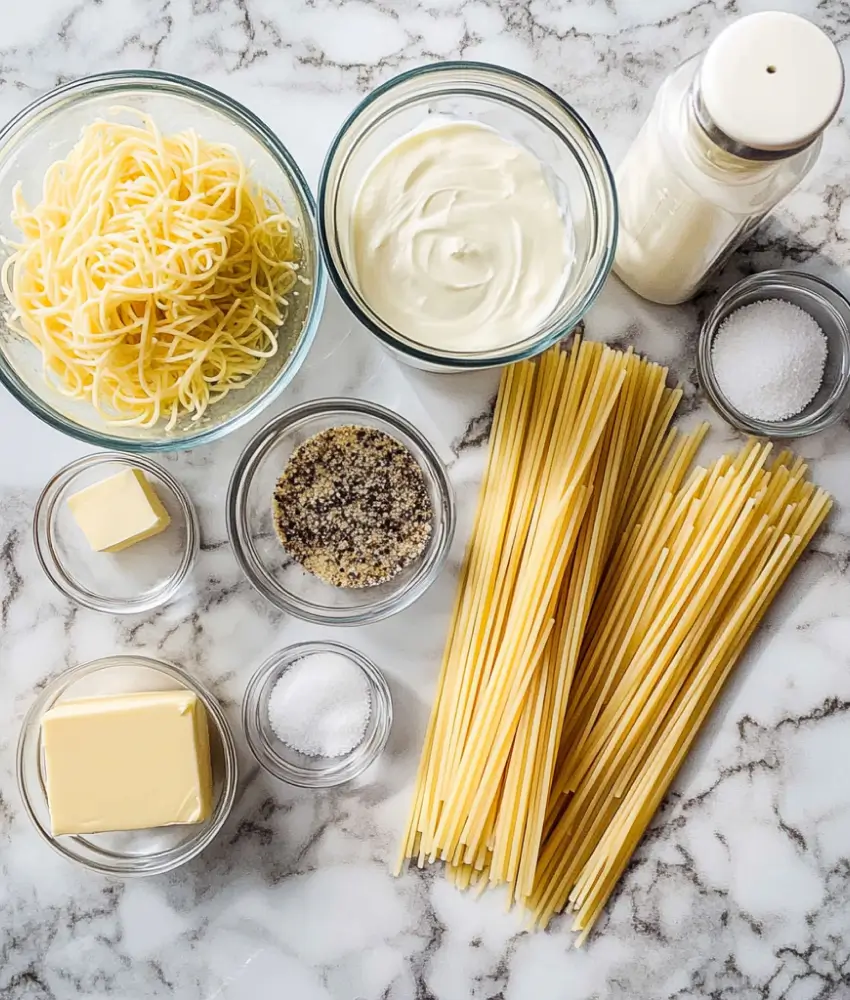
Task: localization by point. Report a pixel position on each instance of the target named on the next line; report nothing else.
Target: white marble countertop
(741, 888)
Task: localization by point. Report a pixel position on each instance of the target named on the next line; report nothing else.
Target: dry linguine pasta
(153, 273)
(608, 590)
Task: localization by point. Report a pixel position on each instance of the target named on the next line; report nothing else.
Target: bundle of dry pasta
(606, 593)
(574, 436)
(667, 634)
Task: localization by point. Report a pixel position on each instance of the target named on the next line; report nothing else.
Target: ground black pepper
(352, 506)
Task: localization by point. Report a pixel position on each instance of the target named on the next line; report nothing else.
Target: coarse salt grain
(769, 358)
(321, 705)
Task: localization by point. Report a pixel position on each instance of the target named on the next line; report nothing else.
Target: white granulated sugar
(769, 359)
(321, 705)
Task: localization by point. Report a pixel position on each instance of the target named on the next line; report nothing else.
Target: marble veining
(740, 889)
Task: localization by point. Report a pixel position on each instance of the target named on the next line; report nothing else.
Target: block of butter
(119, 511)
(127, 762)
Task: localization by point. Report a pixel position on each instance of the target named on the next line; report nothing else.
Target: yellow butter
(127, 762)
(119, 511)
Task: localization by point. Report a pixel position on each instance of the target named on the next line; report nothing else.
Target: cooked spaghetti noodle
(152, 276)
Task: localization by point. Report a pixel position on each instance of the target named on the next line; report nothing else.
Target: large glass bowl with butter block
(116, 533)
(256, 544)
(46, 132)
(441, 201)
(127, 765)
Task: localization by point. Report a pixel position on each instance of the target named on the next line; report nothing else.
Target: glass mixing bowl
(134, 852)
(46, 131)
(263, 559)
(521, 110)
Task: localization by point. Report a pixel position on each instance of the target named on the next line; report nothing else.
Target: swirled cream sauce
(458, 241)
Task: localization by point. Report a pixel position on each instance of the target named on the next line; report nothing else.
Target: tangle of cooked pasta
(152, 275)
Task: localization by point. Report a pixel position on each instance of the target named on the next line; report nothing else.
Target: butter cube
(127, 762)
(119, 511)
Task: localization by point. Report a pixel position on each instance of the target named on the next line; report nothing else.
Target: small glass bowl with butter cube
(116, 534)
(127, 765)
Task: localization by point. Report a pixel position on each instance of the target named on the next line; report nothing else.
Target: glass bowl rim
(472, 361)
(53, 567)
(222, 811)
(789, 277)
(281, 769)
(118, 81)
(243, 473)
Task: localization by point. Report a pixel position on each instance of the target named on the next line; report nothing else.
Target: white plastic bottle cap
(771, 81)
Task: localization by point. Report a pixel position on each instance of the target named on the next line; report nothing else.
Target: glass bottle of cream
(732, 131)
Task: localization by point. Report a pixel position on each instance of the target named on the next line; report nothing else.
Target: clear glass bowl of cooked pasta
(161, 272)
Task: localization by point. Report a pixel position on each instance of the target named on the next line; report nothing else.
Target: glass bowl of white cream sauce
(467, 215)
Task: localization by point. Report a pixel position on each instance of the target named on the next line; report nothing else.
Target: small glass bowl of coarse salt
(317, 714)
(774, 354)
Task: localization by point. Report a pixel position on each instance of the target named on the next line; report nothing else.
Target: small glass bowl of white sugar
(317, 714)
(774, 354)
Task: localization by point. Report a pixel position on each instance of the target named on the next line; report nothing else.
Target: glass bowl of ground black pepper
(340, 512)
(317, 714)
